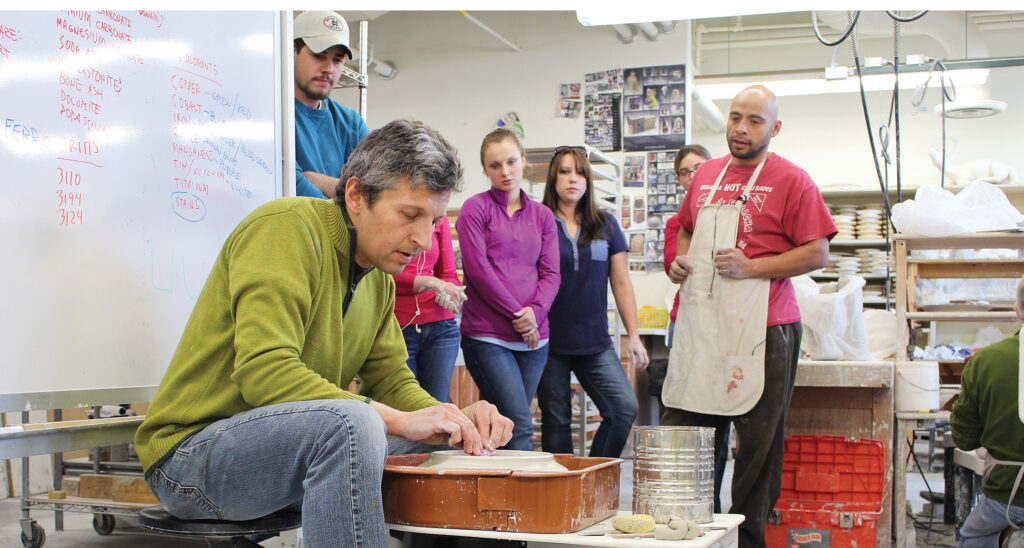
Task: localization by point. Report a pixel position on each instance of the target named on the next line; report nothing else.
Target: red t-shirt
(785, 211)
(671, 233)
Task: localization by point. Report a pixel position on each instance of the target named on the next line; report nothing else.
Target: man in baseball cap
(325, 132)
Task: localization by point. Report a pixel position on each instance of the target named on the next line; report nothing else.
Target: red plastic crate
(831, 493)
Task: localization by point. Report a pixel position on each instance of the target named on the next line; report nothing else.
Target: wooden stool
(216, 532)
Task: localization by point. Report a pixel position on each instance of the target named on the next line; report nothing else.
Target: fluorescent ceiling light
(610, 13)
(722, 88)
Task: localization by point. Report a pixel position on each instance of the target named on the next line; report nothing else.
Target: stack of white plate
(844, 210)
(873, 292)
(848, 266)
(845, 224)
(833, 262)
(869, 224)
(873, 261)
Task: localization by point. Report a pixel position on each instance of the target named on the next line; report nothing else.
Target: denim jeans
(602, 377)
(508, 379)
(988, 518)
(433, 347)
(325, 457)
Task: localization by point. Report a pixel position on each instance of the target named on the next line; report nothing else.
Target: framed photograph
(637, 243)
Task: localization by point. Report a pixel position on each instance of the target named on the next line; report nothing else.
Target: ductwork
(384, 69)
(706, 112)
(954, 31)
(626, 33)
(651, 31)
(959, 37)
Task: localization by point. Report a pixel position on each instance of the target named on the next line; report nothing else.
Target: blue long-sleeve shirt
(508, 263)
(324, 138)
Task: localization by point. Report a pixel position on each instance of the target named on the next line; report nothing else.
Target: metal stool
(219, 533)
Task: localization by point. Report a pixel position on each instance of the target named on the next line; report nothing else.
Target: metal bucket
(674, 472)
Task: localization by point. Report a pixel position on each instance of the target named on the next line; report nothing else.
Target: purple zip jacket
(508, 263)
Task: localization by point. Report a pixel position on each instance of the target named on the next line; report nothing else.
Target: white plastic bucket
(917, 386)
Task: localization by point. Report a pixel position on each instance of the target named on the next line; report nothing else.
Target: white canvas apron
(716, 366)
(990, 463)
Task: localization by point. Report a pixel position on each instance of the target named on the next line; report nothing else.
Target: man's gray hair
(402, 148)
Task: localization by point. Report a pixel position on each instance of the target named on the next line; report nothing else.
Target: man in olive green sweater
(987, 415)
(253, 414)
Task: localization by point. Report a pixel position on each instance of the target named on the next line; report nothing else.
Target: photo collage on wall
(633, 173)
(654, 104)
(664, 195)
(602, 110)
(569, 103)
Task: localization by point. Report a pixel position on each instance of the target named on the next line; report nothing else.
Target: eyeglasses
(561, 149)
(684, 172)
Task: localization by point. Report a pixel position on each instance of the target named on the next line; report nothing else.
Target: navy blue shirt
(579, 316)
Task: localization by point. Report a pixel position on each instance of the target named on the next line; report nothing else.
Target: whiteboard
(132, 143)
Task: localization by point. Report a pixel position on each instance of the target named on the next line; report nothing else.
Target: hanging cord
(846, 33)
(871, 137)
(931, 496)
(415, 296)
(948, 94)
(896, 105)
(896, 16)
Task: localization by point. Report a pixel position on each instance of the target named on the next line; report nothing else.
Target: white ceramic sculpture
(503, 459)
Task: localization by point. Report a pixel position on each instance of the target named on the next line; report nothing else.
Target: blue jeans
(508, 379)
(602, 377)
(433, 347)
(988, 518)
(323, 457)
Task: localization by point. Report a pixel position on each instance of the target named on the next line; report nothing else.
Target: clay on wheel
(503, 459)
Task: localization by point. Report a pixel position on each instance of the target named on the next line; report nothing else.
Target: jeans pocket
(178, 483)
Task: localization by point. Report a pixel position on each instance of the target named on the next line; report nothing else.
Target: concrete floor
(78, 531)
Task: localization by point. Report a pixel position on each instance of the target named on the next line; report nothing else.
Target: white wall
(459, 79)
(456, 77)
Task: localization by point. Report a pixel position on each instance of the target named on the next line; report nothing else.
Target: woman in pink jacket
(427, 298)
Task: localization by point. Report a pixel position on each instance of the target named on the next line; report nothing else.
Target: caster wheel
(103, 523)
(38, 537)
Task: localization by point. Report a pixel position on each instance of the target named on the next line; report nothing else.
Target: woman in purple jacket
(509, 247)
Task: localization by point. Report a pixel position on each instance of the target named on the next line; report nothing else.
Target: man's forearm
(325, 183)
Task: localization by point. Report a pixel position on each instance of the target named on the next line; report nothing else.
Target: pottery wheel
(503, 459)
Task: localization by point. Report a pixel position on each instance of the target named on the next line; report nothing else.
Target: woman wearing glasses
(510, 267)
(592, 251)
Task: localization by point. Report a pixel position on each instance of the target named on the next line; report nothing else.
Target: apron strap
(990, 463)
(745, 195)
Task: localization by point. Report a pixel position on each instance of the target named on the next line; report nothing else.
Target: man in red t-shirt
(784, 230)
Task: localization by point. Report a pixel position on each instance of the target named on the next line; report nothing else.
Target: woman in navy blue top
(592, 252)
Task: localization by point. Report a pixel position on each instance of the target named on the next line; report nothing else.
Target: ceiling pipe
(666, 27)
(649, 30)
(492, 32)
(626, 33)
(384, 69)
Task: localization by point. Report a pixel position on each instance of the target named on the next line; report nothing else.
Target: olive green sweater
(985, 415)
(269, 328)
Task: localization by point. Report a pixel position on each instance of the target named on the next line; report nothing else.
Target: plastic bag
(937, 212)
(833, 318)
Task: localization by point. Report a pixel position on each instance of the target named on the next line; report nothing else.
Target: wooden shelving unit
(909, 269)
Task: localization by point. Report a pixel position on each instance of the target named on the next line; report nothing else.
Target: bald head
(762, 95)
(753, 121)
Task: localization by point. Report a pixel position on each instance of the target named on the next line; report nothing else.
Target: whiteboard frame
(285, 125)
